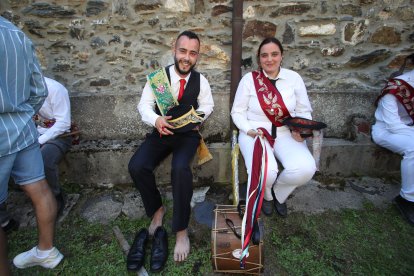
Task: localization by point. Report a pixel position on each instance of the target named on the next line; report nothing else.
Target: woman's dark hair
(189, 34)
(267, 41)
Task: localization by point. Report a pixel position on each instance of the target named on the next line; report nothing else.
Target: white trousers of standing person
(402, 144)
(295, 157)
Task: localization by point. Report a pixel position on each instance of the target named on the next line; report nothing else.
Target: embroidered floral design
(190, 117)
(273, 108)
(161, 89)
(403, 93)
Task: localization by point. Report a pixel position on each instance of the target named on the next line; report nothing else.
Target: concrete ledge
(106, 162)
(120, 120)
(346, 158)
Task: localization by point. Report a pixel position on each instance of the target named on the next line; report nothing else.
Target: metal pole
(236, 52)
(236, 55)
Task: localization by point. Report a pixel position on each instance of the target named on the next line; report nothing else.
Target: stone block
(386, 35)
(260, 29)
(317, 29)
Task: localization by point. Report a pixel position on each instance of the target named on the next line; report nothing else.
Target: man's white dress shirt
(57, 107)
(146, 105)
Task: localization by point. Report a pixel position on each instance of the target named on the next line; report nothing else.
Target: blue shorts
(25, 167)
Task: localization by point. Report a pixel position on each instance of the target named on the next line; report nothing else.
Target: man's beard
(177, 67)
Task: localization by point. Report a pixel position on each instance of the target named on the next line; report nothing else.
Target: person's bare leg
(182, 246)
(44, 204)
(4, 264)
(156, 220)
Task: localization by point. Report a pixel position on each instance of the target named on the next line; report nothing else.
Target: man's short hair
(189, 34)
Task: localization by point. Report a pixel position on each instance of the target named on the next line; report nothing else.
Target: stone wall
(101, 50)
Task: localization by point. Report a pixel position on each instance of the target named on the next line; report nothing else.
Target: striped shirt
(22, 89)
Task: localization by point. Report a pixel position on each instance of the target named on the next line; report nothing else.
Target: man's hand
(162, 125)
(297, 137)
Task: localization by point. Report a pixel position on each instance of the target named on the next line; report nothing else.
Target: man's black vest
(191, 92)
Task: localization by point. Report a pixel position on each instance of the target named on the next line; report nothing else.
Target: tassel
(204, 154)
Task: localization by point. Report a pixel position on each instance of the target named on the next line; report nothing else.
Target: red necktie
(181, 91)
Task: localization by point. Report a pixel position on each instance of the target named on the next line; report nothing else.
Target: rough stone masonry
(101, 51)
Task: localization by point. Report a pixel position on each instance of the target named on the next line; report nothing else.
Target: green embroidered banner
(162, 90)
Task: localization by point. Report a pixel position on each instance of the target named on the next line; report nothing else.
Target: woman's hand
(253, 133)
(297, 137)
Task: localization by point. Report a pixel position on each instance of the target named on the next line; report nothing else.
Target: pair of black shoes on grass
(267, 206)
(159, 250)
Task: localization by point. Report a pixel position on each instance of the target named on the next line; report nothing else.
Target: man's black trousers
(149, 155)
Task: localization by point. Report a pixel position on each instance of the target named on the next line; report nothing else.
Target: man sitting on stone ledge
(394, 130)
(188, 87)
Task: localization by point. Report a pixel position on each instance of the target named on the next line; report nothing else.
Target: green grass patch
(362, 242)
(351, 242)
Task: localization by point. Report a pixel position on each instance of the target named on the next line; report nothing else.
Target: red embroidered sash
(270, 99)
(403, 92)
(255, 191)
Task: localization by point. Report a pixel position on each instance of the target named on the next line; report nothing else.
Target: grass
(370, 241)
(364, 242)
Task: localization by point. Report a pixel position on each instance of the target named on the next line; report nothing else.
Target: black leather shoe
(11, 226)
(267, 207)
(406, 208)
(159, 250)
(281, 208)
(136, 255)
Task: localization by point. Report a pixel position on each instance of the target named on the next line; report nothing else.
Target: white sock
(43, 253)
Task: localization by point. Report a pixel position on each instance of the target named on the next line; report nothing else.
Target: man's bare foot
(156, 220)
(182, 246)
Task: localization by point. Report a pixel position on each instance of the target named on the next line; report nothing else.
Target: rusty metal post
(236, 56)
(236, 51)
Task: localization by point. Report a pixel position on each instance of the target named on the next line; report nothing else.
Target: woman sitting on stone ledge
(264, 98)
